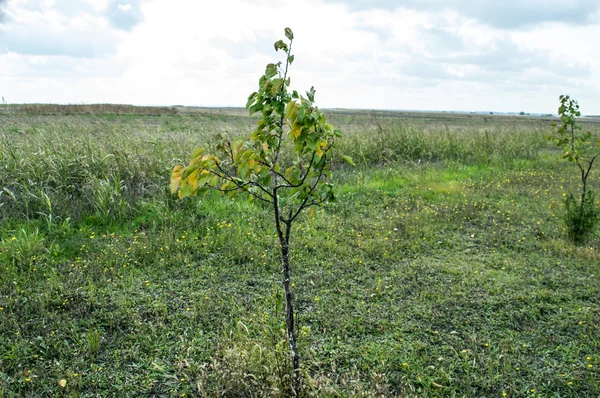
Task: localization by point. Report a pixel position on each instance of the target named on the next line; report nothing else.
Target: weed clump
(581, 217)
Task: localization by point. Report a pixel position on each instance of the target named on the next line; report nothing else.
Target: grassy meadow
(443, 270)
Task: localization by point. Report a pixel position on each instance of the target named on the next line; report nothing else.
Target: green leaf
(185, 191)
(311, 94)
(243, 170)
(277, 83)
(197, 152)
(348, 159)
(251, 99)
(203, 180)
(256, 108)
(271, 71)
(331, 197)
(266, 180)
(312, 143)
(289, 34)
(280, 45)
(214, 194)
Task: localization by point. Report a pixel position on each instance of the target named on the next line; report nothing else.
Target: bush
(581, 217)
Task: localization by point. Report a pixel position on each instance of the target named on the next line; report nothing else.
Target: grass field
(443, 270)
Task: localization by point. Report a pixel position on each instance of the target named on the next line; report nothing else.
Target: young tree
(285, 164)
(579, 148)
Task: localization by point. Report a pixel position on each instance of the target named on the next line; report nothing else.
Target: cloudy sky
(480, 55)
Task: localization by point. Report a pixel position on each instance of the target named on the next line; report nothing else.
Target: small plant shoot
(284, 164)
(581, 215)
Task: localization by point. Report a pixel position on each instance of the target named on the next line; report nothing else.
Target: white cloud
(504, 14)
(212, 53)
(125, 7)
(124, 16)
(53, 28)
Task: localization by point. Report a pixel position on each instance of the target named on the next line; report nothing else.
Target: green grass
(444, 262)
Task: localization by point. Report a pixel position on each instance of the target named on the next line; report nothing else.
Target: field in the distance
(442, 270)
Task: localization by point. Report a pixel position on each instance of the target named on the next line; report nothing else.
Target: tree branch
(228, 177)
(230, 152)
(303, 205)
(590, 164)
(291, 185)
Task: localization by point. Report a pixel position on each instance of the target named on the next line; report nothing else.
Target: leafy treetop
(285, 161)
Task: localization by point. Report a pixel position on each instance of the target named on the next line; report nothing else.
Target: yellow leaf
(192, 179)
(177, 170)
(176, 178)
(290, 109)
(62, 383)
(175, 184)
(296, 130)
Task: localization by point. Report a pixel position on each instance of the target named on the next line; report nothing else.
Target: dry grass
(88, 109)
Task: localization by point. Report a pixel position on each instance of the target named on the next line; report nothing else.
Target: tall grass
(89, 109)
(389, 141)
(76, 167)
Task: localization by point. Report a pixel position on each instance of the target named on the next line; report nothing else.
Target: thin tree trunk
(284, 241)
(583, 194)
(584, 188)
(583, 174)
(289, 313)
